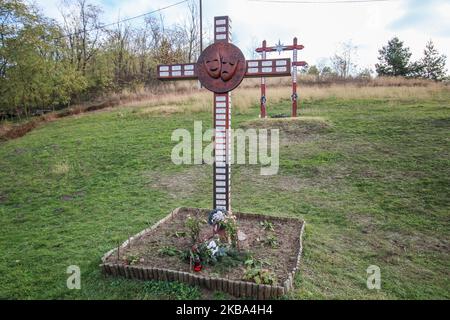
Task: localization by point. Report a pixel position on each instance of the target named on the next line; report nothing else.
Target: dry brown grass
(60, 168)
(186, 97)
(347, 92)
(246, 97)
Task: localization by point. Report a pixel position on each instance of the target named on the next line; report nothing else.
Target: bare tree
(141, 48)
(344, 59)
(191, 27)
(119, 46)
(251, 49)
(82, 28)
(156, 29)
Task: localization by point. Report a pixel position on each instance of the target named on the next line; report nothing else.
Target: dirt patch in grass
(293, 130)
(73, 196)
(394, 246)
(324, 178)
(276, 182)
(3, 198)
(280, 259)
(165, 110)
(60, 168)
(403, 243)
(20, 130)
(179, 184)
(366, 222)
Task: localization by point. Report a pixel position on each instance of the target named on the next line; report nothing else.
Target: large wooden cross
(220, 68)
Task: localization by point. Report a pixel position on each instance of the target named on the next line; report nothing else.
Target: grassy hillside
(368, 170)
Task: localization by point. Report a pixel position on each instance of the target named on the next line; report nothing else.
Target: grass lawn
(371, 177)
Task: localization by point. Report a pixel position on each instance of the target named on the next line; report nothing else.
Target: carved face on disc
(221, 67)
(213, 65)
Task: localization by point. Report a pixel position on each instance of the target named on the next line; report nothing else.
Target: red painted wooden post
(280, 47)
(263, 84)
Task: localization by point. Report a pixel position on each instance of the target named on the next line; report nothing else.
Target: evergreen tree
(313, 70)
(393, 59)
(432, 65)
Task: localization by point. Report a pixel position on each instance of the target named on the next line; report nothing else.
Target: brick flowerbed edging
(235, 288)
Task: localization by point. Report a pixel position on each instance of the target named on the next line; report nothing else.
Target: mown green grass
(372, 185)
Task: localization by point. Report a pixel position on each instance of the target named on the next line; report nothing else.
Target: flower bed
(262, 264)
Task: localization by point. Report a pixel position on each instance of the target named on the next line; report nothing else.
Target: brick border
(232, 287)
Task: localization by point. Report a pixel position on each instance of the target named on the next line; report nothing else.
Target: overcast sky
(319, 27)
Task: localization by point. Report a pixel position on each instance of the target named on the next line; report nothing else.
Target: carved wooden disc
(221, 67)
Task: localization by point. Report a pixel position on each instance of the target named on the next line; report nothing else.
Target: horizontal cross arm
(285, 48)
(300, 63)
(181, 71)
(268, 68)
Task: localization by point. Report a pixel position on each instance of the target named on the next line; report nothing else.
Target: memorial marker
(220, 68)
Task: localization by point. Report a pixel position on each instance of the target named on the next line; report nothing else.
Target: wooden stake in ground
(220, 68)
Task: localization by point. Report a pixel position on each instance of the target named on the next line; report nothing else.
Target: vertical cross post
(220, 68)
(222, 126)
(263, 84)
(294, 79)
(222, 152)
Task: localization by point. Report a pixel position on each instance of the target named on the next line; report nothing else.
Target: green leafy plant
(194, 226)
(271, 241)
(169, 251)
(267, 225)
(131, 259)
(179, 234)
(256, 273)
(231, 228)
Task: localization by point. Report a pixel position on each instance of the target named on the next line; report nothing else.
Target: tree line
(47, 65)
(394, 60)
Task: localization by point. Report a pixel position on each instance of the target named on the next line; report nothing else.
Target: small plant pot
(197, 266)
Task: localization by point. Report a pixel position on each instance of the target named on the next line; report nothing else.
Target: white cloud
(319, 27)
